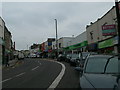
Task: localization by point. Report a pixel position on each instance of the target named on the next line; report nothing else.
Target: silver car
(100, 72)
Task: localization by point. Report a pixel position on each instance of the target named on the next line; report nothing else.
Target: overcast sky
(34, 22)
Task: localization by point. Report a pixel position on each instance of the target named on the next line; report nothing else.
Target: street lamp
(56, 38)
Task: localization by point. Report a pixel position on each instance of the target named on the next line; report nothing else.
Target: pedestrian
(7, 60)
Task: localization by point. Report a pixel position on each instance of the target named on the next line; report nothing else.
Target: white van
(20, 55)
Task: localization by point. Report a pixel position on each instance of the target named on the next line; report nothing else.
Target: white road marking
(35, 68)
(59, 77)
(19, 74)
(40, 63)
(6, 80)
(12, 78)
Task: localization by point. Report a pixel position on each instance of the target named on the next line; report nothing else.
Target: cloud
(34, 22)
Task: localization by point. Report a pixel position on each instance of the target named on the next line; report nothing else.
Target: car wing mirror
(79, 69)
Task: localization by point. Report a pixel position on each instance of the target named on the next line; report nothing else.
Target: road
(70, 78)
(38, 73)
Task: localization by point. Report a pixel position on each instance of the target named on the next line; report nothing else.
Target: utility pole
(118, 21)
(27, 47)
(56, 39)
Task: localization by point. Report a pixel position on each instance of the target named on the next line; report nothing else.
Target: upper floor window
(91, 35)
(59, 45)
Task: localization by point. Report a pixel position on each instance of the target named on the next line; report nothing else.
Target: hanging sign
(108, 30)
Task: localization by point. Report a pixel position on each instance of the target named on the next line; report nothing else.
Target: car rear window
(96, 64)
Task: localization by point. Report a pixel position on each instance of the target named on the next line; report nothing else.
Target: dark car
(74, 58)
(61, 57)
(68, 57)
(79, 58)
(82, 57)
(100, 72)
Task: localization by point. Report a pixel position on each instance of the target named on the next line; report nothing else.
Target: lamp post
(118, 21)
(56, 38)
(27, 47)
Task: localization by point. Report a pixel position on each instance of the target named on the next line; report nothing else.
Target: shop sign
(82, 44)
(106, 43)
(49, 43)
(108, 30)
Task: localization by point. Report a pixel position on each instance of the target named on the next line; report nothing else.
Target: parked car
(32, 55)
(79, 59)
(100, 72)
(68, 57)
(83, 57)
(74, 58)
(61, 57)
(52, 56)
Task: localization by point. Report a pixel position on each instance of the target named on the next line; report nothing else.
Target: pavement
(12, 63)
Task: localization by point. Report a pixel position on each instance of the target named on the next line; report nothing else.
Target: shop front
(108, 46)
(92, 47)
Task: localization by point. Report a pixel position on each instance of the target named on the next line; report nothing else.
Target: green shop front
(108, 46)
(77, 47)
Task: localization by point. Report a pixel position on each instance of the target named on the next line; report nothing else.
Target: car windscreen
(96, 64)
(85, 55)
(113, 65)
(68, 55)
(75, 56)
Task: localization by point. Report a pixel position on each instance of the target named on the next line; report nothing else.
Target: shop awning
(79, 45)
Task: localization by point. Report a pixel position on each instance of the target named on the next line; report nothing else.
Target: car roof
(104, 56)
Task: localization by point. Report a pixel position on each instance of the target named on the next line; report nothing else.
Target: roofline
(101, 17)
(66, 37)
(2, 19)
(8, 30)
